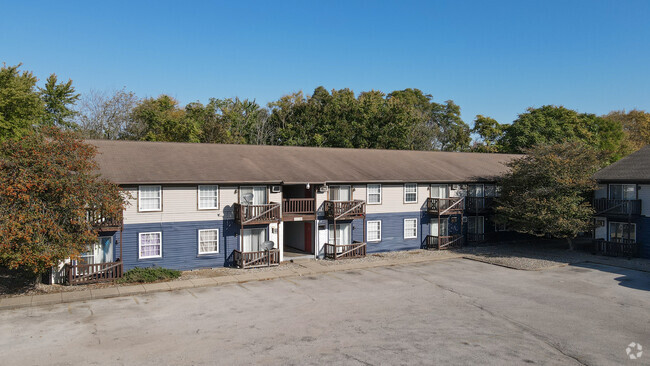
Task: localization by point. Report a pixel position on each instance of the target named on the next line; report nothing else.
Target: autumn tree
(636, 125)
(546, 192)
(48, 181)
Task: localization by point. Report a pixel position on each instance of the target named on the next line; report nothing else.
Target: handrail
(304, 206)
(252, 213)
(338, 251)
(96, 272)
(478, 204)
(617, 206)
(443, 242)
(263, 258)
(341, 209)
(620, 247)
(444, 205)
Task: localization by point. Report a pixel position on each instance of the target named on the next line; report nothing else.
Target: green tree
(48, 180)
(161, 119)
(551, 124)
(490, 133)
(21, 107)
(59, 99)
(546, 192)
(636, 125)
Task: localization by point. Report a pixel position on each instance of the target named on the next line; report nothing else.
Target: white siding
(180, 204)
(601, 231)
(644, 196)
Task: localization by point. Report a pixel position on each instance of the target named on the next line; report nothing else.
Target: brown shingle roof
(139, 162)
(632, 168)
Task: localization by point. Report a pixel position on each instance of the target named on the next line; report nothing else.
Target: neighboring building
(209, 205)
(622, 203)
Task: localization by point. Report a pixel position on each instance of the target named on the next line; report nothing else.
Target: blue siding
(180, 244)
(643, 235)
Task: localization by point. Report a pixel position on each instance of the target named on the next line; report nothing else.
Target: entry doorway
(298, 239)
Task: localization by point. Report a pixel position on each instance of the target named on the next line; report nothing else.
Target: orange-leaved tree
(48, 183)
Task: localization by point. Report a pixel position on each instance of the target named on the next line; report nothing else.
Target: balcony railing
(265, 258)
(619, 247)
(605, 206)
(344, 210)
(339, 251)
(298, 206)
(256, 214)
(445, 206)
(81, 274)
(101, 222)
(443, 242)
(478, 204)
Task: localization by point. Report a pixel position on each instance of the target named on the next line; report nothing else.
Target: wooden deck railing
(99, 221)
(478, 204)
(81, 274)
(339, 251)
(605, 206)
(476, 238)
(344, 209)
(298, 206)
(622, 247)
(445, 206)
(265, 258)
(256, 214)
(443, 242)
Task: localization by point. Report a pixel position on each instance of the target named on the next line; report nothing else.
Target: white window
(149, 198)
(340, 193)
(254, 239)
(255, 195)
(410, 193)
(410, 228)
(622, 232)
(208, 197)
(374, 230)
(209, 241)
(150, 245)
(374, 194)
(622, 191)
(439, 191)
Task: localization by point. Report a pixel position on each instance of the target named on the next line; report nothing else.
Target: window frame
(338, 187)
(368, 231)
(160, 197)
(140, 245)
(198, 197)
(622, 185)
(476, 220)
(416, 228)
(199, 242)
(609, 229)
(368, 194)
(416, 193)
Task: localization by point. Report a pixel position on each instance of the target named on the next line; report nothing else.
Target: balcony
(617, 248)
(298, 209)
(478, 205)
(257, 214)
(265, 258)
(445, 206)
(344, 210)
(610, 207)
(443, 242)
(102, 223)
(340, 251)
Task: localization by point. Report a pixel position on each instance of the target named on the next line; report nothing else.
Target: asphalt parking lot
(453, 311)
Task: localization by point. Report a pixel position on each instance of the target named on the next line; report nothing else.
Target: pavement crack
(356, 359)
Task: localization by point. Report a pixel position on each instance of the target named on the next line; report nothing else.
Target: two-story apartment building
(209, 205)
(622, 204)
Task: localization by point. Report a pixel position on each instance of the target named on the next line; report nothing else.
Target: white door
(340, 193)
(103, 250)
(434, 230)
(439, 191)
(343, 234)
(258, 192)
(253, 239)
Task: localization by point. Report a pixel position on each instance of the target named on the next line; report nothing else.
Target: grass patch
(149, 274)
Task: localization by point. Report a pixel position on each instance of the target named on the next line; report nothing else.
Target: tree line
(403, 119)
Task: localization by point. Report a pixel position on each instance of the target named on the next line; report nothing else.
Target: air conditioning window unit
(455, 187)
(275, 189)
(323, 189)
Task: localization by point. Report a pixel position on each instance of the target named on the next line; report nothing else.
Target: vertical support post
(121, 246)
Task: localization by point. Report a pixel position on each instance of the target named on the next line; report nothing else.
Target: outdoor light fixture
(307, 186)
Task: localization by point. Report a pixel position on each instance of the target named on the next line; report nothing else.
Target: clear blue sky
(494, 58)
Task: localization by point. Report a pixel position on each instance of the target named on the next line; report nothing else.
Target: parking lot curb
(309, 268)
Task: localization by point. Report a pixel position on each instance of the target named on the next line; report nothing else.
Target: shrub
(149, 274)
